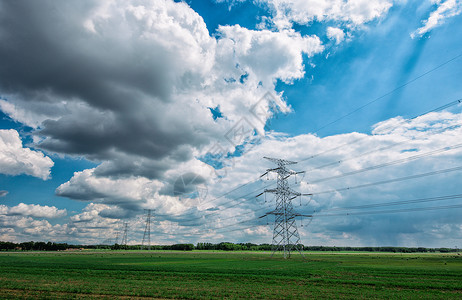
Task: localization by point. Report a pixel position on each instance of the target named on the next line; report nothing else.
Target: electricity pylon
(147, 230)
(285, 234)
(116, 240)
(124, 238)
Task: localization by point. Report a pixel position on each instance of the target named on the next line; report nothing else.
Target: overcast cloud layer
(144, 91)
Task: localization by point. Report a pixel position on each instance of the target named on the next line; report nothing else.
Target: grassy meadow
(228, 275)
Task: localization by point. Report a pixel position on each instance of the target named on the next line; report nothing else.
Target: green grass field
(206, 275)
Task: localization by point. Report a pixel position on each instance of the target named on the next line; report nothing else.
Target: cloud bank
(400, 148)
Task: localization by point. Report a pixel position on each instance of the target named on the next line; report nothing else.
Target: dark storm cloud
(45, 50)
(187, 183)
(96, 133)
(117, 213)
(125, 165)
(81, 194)
(116, 84)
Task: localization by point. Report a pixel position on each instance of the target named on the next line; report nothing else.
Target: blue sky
(111, 110)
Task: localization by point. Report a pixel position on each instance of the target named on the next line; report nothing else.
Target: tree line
(223, 246)
(268, 247)
(36, 246)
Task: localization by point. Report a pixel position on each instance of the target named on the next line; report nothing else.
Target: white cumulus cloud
(269, 55)
(335, 34)
(445, 9)
(16, 160)
(33, 210)
(352, 12)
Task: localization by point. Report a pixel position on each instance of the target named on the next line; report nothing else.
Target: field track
(228, 275)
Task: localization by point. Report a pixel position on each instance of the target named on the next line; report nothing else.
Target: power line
(227, 218)
(321, 180)
(217, 231)
(358, 156)
(391, 211)
(337, 176)
(230, 228)
(390, 180)
(394, 203)
(447, 105)
(234, 189)
(220, 210)
(223, 227)
(398, 161)
(388, 93)
(345, 189)
(253, 181)
(225, 208)
(341, 189)
(365, 213)
(214, 199)
(232, 205)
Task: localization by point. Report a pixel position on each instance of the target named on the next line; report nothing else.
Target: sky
(111, 108)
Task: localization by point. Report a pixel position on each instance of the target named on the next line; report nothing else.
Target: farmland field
(206, 275)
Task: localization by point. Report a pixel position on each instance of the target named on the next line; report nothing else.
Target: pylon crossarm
(274, 170)
(259, 194)
(263, 174)
(271, 170)
(279, 161)
(279, 214)
(290, 173)
(292, 192)
(270, 213)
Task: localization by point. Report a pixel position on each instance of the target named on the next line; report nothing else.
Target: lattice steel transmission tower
(116, 239)
(285, 233)
(124, 237)
(147, 230)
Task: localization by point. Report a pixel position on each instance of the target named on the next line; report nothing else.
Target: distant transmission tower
(116, 240)
(147, 230)
(124, 237)
(285, 234)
